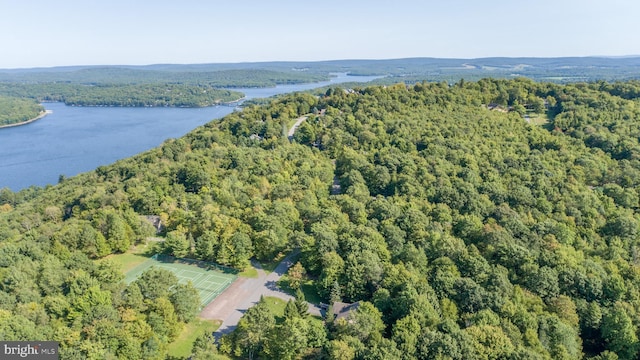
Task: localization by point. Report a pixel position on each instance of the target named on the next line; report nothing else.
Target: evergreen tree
(301, 305)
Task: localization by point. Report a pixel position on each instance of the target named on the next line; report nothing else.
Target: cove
(72, 140)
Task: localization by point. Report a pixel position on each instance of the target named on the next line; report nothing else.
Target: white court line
(198, 280)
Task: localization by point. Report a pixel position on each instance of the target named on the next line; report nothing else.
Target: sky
(45, 33)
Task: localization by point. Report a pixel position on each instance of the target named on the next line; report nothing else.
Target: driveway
(246, 292)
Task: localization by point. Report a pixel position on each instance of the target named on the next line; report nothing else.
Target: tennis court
(209, 281)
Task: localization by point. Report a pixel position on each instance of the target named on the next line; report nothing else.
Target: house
(156, 222)
(341, 310)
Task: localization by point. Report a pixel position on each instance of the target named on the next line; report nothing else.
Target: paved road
(246, 292)
(295, 126)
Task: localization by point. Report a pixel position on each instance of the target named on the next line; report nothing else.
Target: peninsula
(40, 116)
(19, 111)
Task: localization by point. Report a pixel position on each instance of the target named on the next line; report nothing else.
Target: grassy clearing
(276, 305)
(310, 293)
(538, 119)
(132, 258)
(307, 288)
(127, 261)
(249, 272)
(181, 346)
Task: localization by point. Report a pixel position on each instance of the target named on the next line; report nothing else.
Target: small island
(18, 111)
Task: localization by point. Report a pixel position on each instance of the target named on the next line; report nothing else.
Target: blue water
(73, 140)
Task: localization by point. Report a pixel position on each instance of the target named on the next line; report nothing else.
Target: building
(341, 310)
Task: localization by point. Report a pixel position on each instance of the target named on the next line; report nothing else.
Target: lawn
(181, 346)
(249, 272)
(538, 119)
(310, 293)
(277, 305)
(132, 258)
(307, 288)
(127, 261)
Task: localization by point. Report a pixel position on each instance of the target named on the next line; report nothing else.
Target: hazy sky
(89, 32)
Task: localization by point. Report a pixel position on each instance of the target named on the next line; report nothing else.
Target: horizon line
(613, 57)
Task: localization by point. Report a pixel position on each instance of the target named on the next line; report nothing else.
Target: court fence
(199, 263)
(167, 259)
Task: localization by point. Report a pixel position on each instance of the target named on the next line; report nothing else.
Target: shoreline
(42, 114)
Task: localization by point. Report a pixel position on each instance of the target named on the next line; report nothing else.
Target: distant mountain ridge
(534, 61)
(562, 69)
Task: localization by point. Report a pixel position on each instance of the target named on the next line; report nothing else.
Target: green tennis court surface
(209, 281)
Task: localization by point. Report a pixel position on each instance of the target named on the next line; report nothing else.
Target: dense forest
(172, 74)
(463, 230)
(16, 110)
(128, 87)
(174, 95)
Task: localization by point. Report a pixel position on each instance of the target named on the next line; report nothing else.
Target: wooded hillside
(465, 231)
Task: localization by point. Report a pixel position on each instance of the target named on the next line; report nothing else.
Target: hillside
(464, 231)
(260, 74)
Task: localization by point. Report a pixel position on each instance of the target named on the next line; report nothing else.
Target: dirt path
(246, 292)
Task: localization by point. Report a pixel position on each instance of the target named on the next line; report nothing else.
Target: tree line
(173, 74)
(140, 95)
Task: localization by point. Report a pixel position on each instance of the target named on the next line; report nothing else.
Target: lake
(73, 140)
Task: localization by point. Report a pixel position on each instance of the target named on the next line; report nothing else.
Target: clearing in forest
(209, 279)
